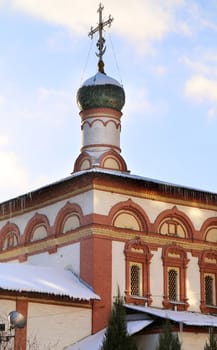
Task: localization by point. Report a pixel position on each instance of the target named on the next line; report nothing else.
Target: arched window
(138, 259)
(39, 232)
(9, 237)
(173, 284)
(208, 279)
(37, 228)
(71, 222)
(175, 223)
(10, 241)
(68, 219)
(136, 279)
(209, 289)
(211, 234)
(128, 220)
(174, 265)
(172, 227)
(130, 216)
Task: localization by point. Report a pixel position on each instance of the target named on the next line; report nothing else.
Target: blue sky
(164, 52)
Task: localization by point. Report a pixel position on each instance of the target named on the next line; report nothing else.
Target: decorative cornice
(52, 243)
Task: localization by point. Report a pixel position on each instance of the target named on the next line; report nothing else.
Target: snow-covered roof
(186, 317)
(94, 342)
(12, 203)
(43, 279)
(101, 79)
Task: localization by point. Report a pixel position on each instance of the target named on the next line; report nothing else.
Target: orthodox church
(67, 247)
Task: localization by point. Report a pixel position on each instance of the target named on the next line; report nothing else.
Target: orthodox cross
(101, 41)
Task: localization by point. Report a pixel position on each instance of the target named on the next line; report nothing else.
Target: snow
(186, 317)
(43, 279)
(12, 203)
(136, 326)
(94, 342)
(101, 79)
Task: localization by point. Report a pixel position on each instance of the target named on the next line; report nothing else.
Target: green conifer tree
(116, 336)
(212, 344)
(168, 340)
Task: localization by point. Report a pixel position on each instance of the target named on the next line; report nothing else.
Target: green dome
(101, 91)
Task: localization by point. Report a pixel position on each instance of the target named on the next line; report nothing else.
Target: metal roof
(186, 317)
(94, 341)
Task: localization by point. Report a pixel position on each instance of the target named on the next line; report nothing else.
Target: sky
(164, 52)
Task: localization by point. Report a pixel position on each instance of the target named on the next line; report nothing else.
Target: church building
(66, 248)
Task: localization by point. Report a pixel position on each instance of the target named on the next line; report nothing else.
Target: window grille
(135, 273)
(173, 285)
(209, 290)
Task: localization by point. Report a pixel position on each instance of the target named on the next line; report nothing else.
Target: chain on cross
(101, 41)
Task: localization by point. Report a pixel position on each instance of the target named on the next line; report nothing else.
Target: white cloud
(4, 140)
(143, 104)
(47, 106)
(212, 114)
(46, 94)
(201, 89)
(206, 65)
(196, 66)
(14, 177)
(160, 70)
(2, 99)
(140, 104)
(140, 22)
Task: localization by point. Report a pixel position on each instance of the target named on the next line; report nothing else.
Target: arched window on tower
(138, 260)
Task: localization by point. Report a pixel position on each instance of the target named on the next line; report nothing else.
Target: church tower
(100, 100)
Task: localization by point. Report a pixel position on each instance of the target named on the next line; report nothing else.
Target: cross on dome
(101, 41)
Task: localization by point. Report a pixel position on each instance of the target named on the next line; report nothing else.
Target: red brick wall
(20, 337)
(96, 270)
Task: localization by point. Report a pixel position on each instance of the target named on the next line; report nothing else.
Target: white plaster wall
(92, 202)
(66, 257)
(193, 283)
(151, 207)
(6, 306)
(148, 341)
(118, 268)
(156, 278)
(98, 133)
(191, 341)
(84, 200)
(57, 326)
(197, 215)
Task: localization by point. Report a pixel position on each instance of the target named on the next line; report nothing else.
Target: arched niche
(10, 236)
(175, 223)
(69, 218)
(37, 228)
(129, 215)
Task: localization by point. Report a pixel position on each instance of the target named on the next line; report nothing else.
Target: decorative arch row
(38, 227)
(174, 265)
(170, 222)
(124, 215)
